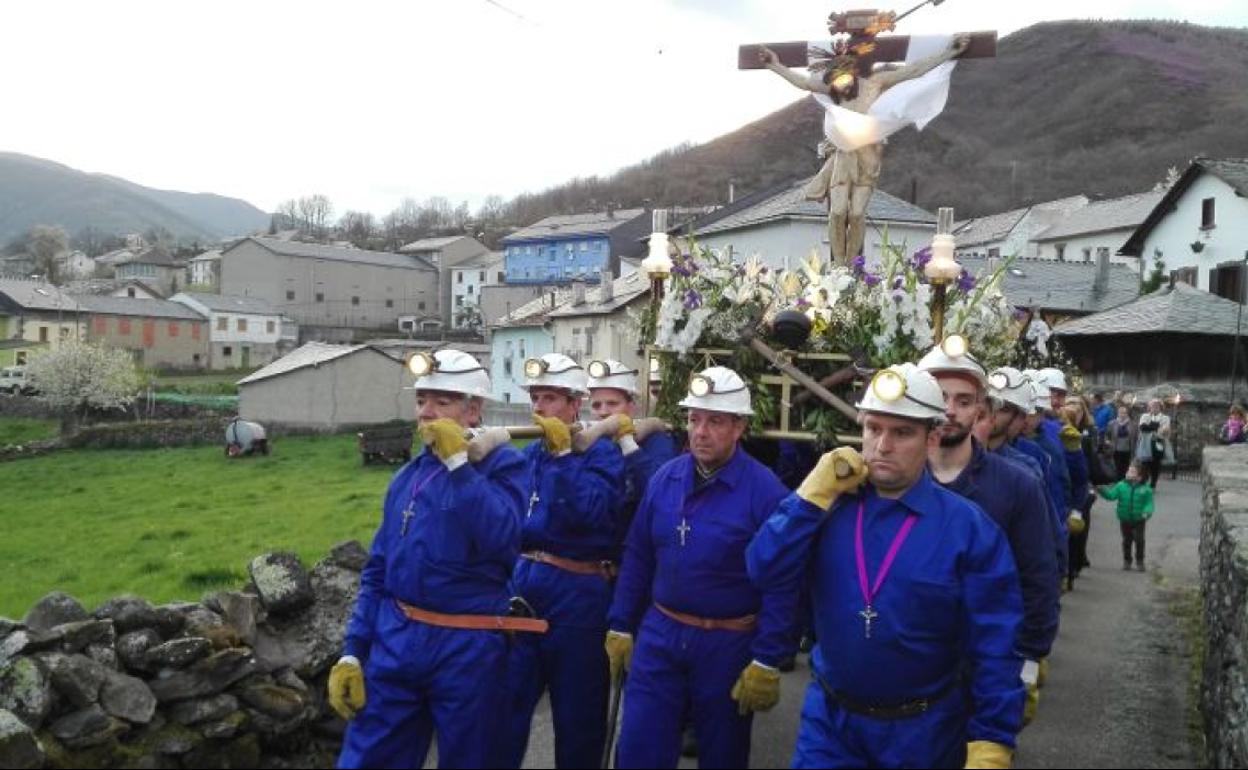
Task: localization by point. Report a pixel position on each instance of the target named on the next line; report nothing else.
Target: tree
(1156, 277)
(359, 227)
(76, 377)
(47, 243)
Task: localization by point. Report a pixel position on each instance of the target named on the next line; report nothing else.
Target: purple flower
(679, 269)
(872, 279)
(802, 302)
(692, 300)
(921, 257)
(966, 282)
(859, 264)
(1019, 313)
(898, 295)
(898, 282)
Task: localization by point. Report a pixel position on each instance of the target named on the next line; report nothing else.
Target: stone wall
(234, 681)
(1224, 588)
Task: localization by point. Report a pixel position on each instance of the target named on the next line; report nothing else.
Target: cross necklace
(410, 510)
(868, 613)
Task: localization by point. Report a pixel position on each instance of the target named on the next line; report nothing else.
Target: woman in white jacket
(1154, 442)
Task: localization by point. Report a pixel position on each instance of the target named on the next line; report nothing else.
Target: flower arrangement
(873, 315)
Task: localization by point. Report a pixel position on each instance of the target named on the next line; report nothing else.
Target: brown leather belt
(605, 569)
(885, 711)
(474, 622)
(747, 623)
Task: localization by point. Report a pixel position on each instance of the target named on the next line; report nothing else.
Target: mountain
(34, 191)
(1100, 108)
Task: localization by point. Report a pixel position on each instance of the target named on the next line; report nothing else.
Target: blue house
(518, 336)
(568, 247)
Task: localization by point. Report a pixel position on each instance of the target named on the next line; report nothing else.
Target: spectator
(1103, 413)
(1233, 429)
(1122, 435)
(1154, 437)
(1135, 508)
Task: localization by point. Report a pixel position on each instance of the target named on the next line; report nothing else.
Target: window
(420, 306)
(459, 300)
(481, 277)
(390, 302)
(320, 296)
(1187, 275)
(242, 324)
(43, 334)
(355, 301)
(290, 296)
(470, 288)
(1087, 253)
(270, 327)
(173, 329)
(1061, 252)
(584, 246)
(459, 276)
(1206, 214)
(227, 351)
(64, 332)
(130, 292)
(502, 278)
(19, 358)
(223, 323)
(195, 333)
(99, 326)
(994, 253)
(1102, 252)
(522, 349)
(123, 325)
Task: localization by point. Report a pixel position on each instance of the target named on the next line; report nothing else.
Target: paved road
(1117, 693)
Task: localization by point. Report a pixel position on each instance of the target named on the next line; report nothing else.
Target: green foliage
(1156, 277)
(172, 523)
(16, 430)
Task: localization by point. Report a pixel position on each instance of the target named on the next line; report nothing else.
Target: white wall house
(205, 269)
(1099, 228)
(518, 336)
(243, 332)
(597, 322)
(1200, 228)
(1012, 233)
(467, 281)
(781, 227)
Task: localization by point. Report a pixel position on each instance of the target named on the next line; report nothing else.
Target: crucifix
(843, 77)
(868, 615)
(408, 513)
(533, 498)
(683, 529)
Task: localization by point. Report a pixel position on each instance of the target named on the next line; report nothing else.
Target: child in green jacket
(1135, 508)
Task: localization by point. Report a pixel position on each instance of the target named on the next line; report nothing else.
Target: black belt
(884, 711)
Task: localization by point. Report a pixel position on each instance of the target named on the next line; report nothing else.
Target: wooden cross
(888, 48)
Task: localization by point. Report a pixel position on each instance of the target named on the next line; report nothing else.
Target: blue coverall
(573, 514)
(1015, 500)
(447, 543)
(949, 612)
(1053, 474)
(678, 669)
(639, 468)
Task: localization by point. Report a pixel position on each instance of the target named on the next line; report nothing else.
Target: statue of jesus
(848, 177)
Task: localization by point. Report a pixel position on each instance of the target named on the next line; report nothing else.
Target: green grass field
(14, 430)
(174, 524)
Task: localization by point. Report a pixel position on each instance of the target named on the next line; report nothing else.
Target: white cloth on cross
(915, 102)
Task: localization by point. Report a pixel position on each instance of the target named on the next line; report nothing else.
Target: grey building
(155, 268)
(329, 387)
(333, 293)
(445, 254)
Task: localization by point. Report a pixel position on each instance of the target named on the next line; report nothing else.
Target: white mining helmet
(1054, 378)
(1010, 386)
(904, 390)
(1044, 399)
(953, 356)
(451, 371)
(555, 370)
(718, 389)
(612, 374)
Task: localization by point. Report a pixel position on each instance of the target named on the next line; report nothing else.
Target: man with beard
(916, 598)
(1008, 493)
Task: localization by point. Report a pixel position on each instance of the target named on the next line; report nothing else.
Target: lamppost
(942, 269)
(657, 266)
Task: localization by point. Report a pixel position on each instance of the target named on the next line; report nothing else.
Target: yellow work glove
(556, 434)
(648, 426)
(487, 441)
(626, 426)
(757, 689)
(1032, 705)
(346, 688)
(1043, 675)
(596, 430)
(619, 652)
(988, 755)
(841, 470)
(445, 437)
(1075, 523)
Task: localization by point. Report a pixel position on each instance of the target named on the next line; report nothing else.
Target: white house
(1200, 228)
(1099, 228)
(243, 332)
(1011, 233)
(467, 280)
(75, 265)
(596, 322)
(205, 269)
(781, 227)
(520, 335)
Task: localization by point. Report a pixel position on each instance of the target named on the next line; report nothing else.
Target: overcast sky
(369, 102)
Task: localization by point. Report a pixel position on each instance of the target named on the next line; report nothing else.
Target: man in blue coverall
(423, 652)
(705, 636)
(1008, 493)
(916, 598)
(1035, 441)
(565, 573)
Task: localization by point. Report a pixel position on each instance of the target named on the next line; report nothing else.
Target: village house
(1199, 228)
(1099, 228)
(242, 331)
(113, 287)
(1060, 290)
(782, 228)
(469, 278)
(563, 248)
(332, 293)
(37, 313)
(204, 270)
(154, 267)
(445, 254)
(1012, 233)
(598, 323)
(518, 336)
(159, 334)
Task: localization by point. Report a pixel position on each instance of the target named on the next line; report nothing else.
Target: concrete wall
(1224, 589)
(365, 387)
(785, 243)
(353, 295)
(158, 343)
(1175, 233)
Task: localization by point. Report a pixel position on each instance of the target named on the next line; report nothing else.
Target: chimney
(604, 286)
(578, 292)
(732, 191)
(1101, 284)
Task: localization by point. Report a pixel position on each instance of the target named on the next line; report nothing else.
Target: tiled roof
(996, 227)
(1099, 216)
(339, 254)
(575, 225)
(487, 259)
(1059, 286)
(137, 307)
(311, 354)
(153, 256)
(535, 311)
(788, 203)
(430, 244)
(1233, 171)
(230, 303)
(623, 291)
(1180, 310)
(212, 255)
(36, 295)
(108, 286)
